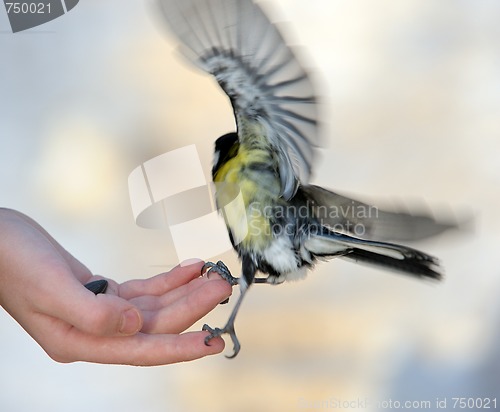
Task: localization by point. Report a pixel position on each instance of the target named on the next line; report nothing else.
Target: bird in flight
(279, 224)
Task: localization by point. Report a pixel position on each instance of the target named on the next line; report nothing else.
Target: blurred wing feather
(235, 42)
(350, 216)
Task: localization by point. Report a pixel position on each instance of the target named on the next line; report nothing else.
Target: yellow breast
(242, 192)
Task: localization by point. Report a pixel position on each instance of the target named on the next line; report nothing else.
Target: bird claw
(217, 332)
(221, 269)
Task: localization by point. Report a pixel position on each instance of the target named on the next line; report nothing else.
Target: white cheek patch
(216, 157)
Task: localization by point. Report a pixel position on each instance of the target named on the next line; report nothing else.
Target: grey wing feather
(356, 218)
(235, 41)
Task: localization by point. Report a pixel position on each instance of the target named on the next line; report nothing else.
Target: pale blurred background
(412, 109)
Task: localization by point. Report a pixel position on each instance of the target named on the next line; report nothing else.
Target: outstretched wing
(350, 216)
(235, 41)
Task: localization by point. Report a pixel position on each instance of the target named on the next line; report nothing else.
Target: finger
(139, 350)
(164, 282)
(184, 312)
(152, 303)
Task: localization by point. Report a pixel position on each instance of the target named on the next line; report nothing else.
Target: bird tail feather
(386, 255)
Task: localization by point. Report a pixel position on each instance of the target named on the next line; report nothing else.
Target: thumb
(110, 315)
(102, 315)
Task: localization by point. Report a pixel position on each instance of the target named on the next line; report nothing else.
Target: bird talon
(214, 332)
(221, 269)
(217, 332)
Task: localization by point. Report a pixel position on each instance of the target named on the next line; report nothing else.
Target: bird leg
(229, 328)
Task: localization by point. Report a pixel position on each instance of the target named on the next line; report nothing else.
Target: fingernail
(130, 322)
(189, 262)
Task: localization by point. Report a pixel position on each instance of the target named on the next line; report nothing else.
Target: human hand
(138, 322)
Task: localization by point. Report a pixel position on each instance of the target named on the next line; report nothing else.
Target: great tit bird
(278, 223)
